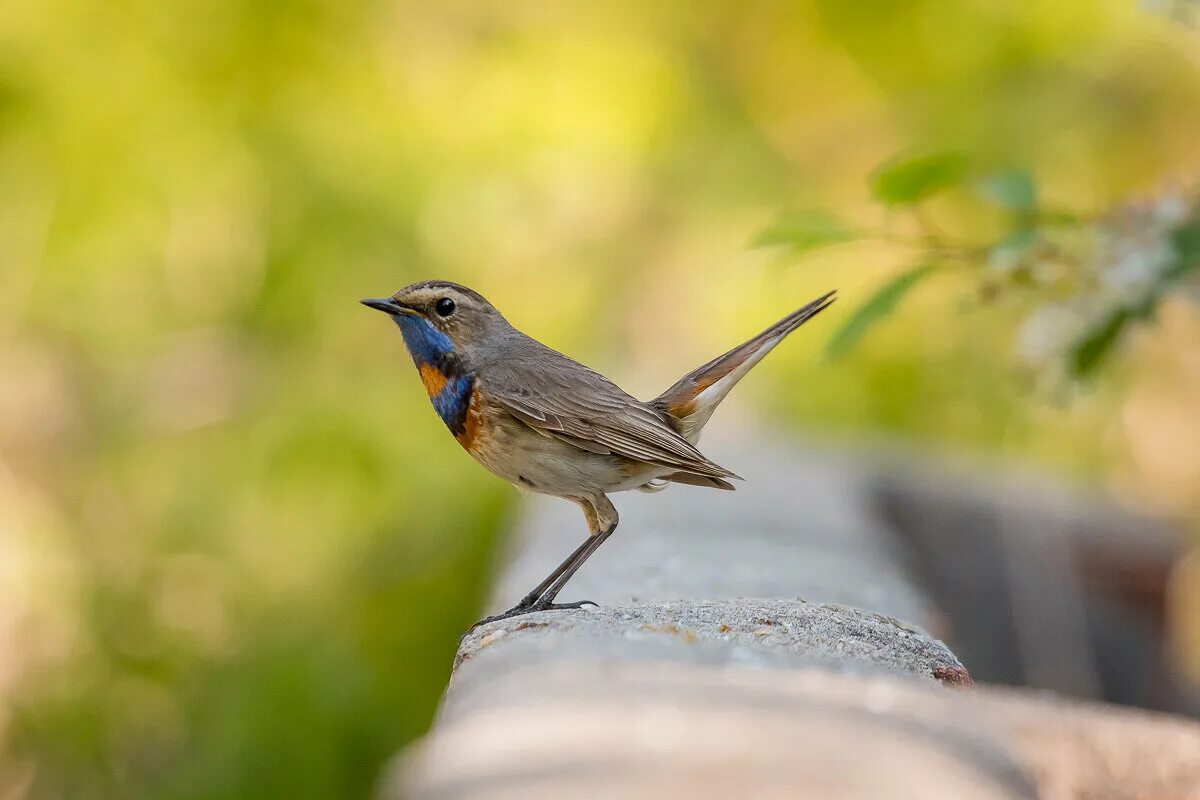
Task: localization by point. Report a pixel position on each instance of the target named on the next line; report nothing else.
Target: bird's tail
(692, 400)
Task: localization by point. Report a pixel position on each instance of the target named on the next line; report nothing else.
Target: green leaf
(1091, 351)
(912, 178)
(1013, 189)
(1009, 253)
(804, 230)
(1186, 241)
(882, 303)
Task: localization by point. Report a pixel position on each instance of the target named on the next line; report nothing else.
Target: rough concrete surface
(663, 729)
(755, 632)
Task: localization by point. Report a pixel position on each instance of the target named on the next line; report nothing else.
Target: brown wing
(560, 397)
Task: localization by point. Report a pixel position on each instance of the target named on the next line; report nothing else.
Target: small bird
(546, 423)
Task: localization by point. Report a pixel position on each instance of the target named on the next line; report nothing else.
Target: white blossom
(1048, 332)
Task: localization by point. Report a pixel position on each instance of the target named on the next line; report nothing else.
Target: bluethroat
(546, 423)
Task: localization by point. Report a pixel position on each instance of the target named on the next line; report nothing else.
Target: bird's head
(439, 318)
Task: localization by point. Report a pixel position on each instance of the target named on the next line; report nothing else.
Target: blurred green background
(236, 546)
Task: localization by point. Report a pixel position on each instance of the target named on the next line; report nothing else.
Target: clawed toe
(562, 606)
(486, 620)
(521, 609)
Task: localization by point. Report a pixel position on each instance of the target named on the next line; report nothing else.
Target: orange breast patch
(472, 424)
(433, 378)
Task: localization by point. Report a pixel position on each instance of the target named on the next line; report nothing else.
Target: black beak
(385, 304)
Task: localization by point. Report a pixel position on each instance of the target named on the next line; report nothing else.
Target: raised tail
(692, 400)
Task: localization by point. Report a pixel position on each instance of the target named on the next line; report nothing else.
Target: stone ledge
(756, 632)
(664, 729)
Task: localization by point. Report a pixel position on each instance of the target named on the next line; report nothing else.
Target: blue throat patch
(426, 343)
(430, 348)
(454, 402)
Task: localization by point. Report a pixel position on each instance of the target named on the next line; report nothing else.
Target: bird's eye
(444, 307)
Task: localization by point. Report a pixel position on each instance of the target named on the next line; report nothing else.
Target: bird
(548, 424)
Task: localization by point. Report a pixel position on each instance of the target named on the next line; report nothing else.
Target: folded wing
(561, 398)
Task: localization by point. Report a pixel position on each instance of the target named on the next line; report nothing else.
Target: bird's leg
(602, 521)
(527, 603)
(546, 601)
(528, 600)
(543, 595)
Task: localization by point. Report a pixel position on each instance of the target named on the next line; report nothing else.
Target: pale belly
(539, 463)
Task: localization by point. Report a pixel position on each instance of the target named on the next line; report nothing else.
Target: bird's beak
(387, 305)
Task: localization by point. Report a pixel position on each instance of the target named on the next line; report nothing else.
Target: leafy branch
(1091, 277)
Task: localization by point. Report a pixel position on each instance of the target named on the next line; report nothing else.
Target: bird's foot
(525, 607)
(527, 602)
(561, 606)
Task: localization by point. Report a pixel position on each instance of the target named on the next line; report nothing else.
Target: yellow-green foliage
(236, 546)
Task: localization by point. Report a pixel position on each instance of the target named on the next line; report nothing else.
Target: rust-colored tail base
(692, 400)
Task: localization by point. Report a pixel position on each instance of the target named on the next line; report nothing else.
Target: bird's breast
(434, 379)
(452, 397)
(474, 427)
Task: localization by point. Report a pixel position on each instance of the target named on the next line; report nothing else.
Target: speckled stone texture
(653, 729)
(751, 632)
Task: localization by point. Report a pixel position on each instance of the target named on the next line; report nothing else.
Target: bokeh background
(236, 546)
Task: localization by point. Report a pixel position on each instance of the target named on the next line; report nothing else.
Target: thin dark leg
(529, 599)
(547, 599)
(544, 593)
